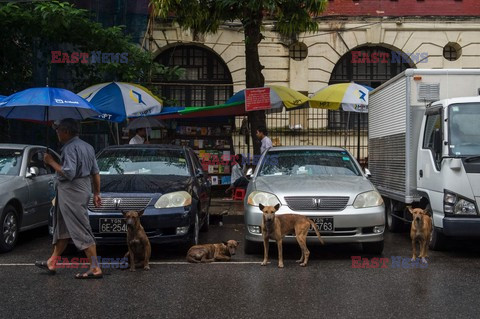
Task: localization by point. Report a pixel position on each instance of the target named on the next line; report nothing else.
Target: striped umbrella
(280, 97)
(118, 101)
(350, 96)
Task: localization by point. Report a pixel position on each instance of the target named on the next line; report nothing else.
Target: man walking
(262, 136)
(74, 187)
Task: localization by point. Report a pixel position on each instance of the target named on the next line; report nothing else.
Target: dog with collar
(276, 227)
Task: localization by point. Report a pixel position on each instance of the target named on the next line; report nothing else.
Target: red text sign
(257, 99)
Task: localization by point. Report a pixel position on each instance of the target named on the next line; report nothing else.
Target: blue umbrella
(46, 104)
(2, 97)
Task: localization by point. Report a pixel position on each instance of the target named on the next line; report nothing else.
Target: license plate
(112, 225)
(324, 224)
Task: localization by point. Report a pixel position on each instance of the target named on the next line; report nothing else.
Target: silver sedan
(325, 184)
(26, 191)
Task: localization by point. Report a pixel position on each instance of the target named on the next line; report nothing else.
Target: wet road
(328, 288)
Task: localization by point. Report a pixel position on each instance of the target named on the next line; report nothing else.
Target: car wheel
(206, 224)
(375, 248)
(394, 225)
(251, 247)
(9, 234)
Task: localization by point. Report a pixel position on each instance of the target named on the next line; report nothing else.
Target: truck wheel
(251, 247)
(438, 240)
(374, 248)
(394, 225)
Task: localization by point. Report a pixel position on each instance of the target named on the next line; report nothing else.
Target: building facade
(366, 41)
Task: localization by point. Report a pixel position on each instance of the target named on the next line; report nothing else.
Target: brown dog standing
(420, 232)
(276, 227)
(212, 252)
(139, 249)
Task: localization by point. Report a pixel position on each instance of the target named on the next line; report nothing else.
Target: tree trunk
(253, 72)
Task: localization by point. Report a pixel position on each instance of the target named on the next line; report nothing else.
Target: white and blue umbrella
(118, 101)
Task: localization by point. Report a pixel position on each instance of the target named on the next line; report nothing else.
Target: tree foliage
(30, 31)
(206, 16)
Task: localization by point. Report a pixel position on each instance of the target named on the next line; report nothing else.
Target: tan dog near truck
(420, 232)
(212, 252)
(276, 227)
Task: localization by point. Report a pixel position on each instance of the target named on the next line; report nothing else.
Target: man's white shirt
(137, 139)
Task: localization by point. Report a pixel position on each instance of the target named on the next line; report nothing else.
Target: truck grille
(120, 203)
(318, 203)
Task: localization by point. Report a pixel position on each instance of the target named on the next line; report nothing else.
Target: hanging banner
(257, 99)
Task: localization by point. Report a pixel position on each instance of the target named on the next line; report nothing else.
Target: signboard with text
(257, 99)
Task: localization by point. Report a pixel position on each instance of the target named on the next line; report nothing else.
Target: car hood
(144, 183)
(283, 186)
(6, 178)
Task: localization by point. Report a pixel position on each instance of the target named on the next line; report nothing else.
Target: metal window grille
(207, 80)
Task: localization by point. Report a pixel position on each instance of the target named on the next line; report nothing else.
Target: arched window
(370, 66)
(207, 80)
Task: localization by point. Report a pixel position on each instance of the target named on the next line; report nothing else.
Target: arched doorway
(368, 65)
(207, 80)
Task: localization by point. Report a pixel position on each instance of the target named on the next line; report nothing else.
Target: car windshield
(308, 162)
(463, 126)
(10, 162)
(142, 161)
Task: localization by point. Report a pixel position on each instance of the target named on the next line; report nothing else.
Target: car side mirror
(32, 172)
(199, 173)
(368, 174)
(249, 172)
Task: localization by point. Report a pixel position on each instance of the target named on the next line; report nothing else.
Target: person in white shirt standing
(139, 138)
(262, 136)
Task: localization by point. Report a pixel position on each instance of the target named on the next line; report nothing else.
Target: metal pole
(358, 136)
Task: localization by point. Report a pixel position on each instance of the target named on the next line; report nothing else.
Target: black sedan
(165, 181)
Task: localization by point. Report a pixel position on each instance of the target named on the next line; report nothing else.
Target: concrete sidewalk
(226, 210)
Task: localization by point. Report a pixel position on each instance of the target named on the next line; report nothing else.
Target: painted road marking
(151, 263)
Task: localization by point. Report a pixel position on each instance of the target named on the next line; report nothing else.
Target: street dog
(420, 232)
(139, 249)
(212, 252)
(276, 227)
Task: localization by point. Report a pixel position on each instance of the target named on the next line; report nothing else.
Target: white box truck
(424, 149)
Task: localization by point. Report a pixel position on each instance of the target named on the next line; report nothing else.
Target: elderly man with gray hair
(75, 174)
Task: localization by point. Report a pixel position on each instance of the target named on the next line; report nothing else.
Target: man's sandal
(88, 275)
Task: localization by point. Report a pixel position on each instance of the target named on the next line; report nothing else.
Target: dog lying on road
(420, 232)
(276, 227)
(212, 252)
(139, 249)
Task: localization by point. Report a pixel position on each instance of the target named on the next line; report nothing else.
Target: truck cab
(448, 167)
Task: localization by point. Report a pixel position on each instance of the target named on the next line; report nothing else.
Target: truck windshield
(464, 130)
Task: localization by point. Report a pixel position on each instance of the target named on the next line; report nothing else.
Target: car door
(39, 188)
(202, 183)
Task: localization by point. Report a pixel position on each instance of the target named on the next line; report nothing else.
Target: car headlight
(368, 199)
(175, 199)
(263, 198)
(452, 204)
